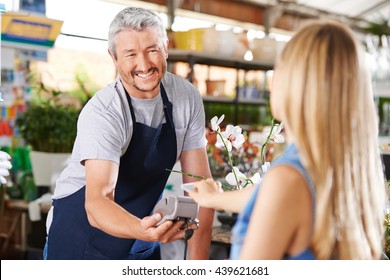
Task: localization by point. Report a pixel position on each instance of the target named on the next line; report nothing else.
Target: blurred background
(54, 57)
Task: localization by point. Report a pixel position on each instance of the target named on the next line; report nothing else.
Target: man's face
(141, 61)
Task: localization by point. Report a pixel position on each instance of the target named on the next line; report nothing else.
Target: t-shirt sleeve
(99, 136)
(195, 137)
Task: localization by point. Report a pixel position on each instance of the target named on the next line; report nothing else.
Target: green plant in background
(85, 88)
(382, 27)
(49, 127)
(49, 124)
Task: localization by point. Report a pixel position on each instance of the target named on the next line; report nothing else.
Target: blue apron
(141, 181)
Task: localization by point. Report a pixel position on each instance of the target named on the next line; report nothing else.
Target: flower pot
(215, 88)
(46, 167)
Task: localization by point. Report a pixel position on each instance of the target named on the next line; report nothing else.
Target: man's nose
(143, 63)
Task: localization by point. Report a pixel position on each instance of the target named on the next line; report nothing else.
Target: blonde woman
(324, 198)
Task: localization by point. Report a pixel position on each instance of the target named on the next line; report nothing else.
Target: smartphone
(188, 187)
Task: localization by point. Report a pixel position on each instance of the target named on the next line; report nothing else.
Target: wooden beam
(254, 13)
(290, 21)
(236, 10)
(231, 9)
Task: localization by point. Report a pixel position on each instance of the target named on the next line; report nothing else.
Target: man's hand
(168, 231)
(5, 165)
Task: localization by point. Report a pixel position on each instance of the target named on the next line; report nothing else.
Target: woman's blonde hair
(329, 108)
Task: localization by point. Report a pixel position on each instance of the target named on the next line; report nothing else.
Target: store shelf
(191, 57)
(237, 109)
(248, 101)
(218, 99)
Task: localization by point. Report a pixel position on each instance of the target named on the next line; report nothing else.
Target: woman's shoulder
(290, 167)
(286, 177)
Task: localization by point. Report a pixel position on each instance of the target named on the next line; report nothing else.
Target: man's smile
(145, 75)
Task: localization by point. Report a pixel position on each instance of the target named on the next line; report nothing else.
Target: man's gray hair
(134, 18)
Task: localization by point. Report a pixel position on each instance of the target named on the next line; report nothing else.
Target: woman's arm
(208, 194)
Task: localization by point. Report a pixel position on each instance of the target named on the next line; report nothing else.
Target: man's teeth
(145, 75)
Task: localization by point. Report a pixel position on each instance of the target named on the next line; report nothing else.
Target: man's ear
(113, 57)
(166, 48)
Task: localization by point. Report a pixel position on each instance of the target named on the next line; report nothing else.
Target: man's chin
(146, 88)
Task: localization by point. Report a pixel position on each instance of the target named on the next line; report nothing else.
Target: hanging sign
(29, 29)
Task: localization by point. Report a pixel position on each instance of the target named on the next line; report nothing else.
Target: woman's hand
(209, 194)
(206, 193)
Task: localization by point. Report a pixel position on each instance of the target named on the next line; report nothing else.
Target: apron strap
(131, 106)
(167, 106)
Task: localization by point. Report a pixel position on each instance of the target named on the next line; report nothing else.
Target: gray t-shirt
(105, 126)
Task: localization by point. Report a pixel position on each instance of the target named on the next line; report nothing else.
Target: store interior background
(243, 28)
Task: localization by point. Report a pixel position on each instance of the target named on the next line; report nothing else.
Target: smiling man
(129, 134)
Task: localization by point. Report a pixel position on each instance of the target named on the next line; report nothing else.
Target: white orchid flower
(234, 136)
(265, 167)
(215, 122)
(222, 141)
(255, 179)
(276, 136)
(231, 179)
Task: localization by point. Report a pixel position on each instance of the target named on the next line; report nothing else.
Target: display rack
(237, 107)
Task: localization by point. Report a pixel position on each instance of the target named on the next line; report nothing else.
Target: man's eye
(153, 51)
(130, 55)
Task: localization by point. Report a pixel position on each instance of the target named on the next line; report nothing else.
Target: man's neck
(134, 92)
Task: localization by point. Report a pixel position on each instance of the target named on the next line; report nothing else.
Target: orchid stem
(230, 160)
(264, 146)
(187, 174)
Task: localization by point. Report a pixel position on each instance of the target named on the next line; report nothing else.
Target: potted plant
(387, 234)
(382, 27)
(48, 126)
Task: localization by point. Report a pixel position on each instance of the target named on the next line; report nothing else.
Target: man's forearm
(196, 162)
(199, 244)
